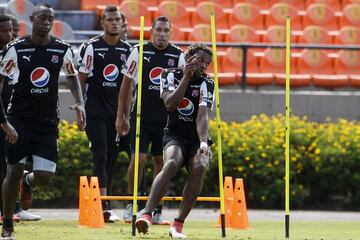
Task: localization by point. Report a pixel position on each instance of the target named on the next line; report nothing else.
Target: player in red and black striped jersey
(100, 76)
(188, 95)
(35, 62)
(158, 54)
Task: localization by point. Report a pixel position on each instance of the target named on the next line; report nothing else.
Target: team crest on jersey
(186, 107)
(111, 72)
(40, 77)
(171, 62)
(55, 58)
(195, 93)
(155, 75)
(123, 57)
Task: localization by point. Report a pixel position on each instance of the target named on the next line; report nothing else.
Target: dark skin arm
(202, 122)
(11, 134)
(82, 80)
(74, 86)
(122, 124)
(173, 99)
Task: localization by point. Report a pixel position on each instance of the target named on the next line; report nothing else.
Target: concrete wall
(238, 105)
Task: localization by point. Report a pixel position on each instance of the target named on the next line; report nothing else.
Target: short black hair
(161, 19)
(196, 47)
(38, 6)
(110, 8)
(123, 17)
(4, 18)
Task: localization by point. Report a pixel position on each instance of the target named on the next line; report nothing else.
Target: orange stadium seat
(21, 9)
(89, 5)
(315, 34)
(176, 13)
(186, 3)
(333, 4)
(203, 11)
(242, 33)
(133, 10)
(246, 13)
(177, 34)
(25, 28)
(349, 35)
(350, 15)
(320, 14)
(274, 62)
(297, 4)
(320, 66)
(224, 3)
(346, 2)
(202, 33)
(278, 13)
(232, 63)
(348, 63)
(261, 4)
(62, 30)
(277, 34)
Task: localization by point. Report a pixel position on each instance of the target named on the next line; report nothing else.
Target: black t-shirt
(7, 87)
(155, 61)
(200, 92)
(103, 63)
(35, 71)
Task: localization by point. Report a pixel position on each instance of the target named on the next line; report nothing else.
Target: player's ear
(31, 18)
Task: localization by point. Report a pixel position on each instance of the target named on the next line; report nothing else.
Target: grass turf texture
(270, 230)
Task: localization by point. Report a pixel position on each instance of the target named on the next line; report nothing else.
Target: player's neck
(40, 40)
(111, 40)
(158, 47)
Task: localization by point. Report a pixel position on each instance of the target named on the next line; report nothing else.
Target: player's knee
(42, 177)
(15, 172)
(171, 166)
(200, 168)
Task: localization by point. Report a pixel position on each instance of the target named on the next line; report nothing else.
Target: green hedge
(324, 158)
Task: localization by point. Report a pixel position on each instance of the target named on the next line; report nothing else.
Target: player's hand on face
(11, 134)
(190, 66)
(122, 126)
(80, 115)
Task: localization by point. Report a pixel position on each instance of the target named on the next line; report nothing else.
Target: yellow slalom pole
(138, 114)
(218, 122)
(287, 123)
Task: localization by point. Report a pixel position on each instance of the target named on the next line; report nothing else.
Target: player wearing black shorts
(35, 62)
(100, 76)
(158, 55)
(188, 95)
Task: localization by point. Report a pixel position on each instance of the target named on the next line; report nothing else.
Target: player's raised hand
(11, 134)
(190, 66)
(80, 115)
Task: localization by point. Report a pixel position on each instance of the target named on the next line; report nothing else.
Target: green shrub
(324, 163)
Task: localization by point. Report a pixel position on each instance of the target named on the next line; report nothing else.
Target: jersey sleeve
(8, 61)
(130, 68)
(207, 94)
(181, 62)
(68, 64)
(79, 56)
(87, 60)
(167, 81)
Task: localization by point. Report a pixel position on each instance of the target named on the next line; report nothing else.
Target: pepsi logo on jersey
(110, 73)
(185, 108)
(39, 77)
(155, 78)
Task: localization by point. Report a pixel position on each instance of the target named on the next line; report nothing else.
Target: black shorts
(189, 147)
(149, 133)
(35, 138)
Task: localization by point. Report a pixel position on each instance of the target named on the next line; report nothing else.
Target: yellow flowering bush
(324, 163)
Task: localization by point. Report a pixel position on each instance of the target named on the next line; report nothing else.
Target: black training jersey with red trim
(154, 62)
(103, 63)
(7, 87)
(35, 70)
(200, 92)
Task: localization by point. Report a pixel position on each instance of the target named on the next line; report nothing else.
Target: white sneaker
(176, 231)
(127, 217)
(26, 216)
(158, 219)
(113, 216)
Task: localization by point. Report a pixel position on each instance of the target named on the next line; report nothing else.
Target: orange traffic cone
(96, 217)
(228, 200)
(239, 217)
(84, 201)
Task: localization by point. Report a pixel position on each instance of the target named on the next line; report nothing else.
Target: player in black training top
(188, 95)
(100, 68)
(158, 54)
(35, 62)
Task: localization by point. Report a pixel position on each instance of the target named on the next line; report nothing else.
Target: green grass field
(270, 230)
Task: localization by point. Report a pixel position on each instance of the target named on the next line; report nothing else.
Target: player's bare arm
(122, 124)
(82, 79)
(74, 86)
(202, 121)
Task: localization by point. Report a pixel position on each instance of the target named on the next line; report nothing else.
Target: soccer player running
(100, 68)
(158, 55)
(35, 62)
(19, 213)
(188, 96)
